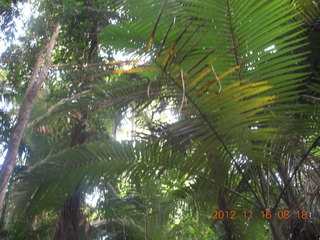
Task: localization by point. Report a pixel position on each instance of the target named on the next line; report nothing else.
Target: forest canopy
(171, 119)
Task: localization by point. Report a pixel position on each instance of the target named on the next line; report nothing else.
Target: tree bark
(38, 76)
(68, 228)
(69, 220)
(276, 230)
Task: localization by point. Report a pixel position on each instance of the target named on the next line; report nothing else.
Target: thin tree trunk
(38, 76)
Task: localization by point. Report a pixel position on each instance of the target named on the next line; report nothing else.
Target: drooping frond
(235, 67)
(44, 187)
(77, 168)
(111, 96)
(236, 72)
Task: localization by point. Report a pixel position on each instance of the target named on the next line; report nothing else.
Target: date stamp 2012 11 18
(280, 214)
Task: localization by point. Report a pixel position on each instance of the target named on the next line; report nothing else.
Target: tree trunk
(68, 227)
(228, 225)
(38, 76)
(276, 230)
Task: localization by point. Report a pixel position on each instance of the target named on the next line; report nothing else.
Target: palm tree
(237, 67)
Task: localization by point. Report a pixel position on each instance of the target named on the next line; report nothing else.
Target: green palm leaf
(243, 66)
(78, 168)
(238, 68)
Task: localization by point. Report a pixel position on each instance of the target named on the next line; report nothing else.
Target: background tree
(36, 79)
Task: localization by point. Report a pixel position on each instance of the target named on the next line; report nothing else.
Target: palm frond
(76, 169)
(238, 69)
(243, 66)
(310, 12)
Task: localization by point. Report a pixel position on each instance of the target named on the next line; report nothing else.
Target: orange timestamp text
(280, 214)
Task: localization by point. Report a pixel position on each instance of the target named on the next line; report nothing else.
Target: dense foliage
(220, 103)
